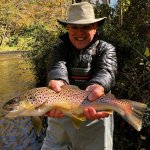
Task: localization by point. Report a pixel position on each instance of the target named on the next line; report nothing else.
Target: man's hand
(56, 86)
(95, 91)
(55, 113)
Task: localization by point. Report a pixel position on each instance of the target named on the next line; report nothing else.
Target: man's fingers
(91, 114)
(95, 91)
(56, 85)
(55, 113)
(56, 88)
(58, 113)
(50, 113)
(100, 115)
(94, 95)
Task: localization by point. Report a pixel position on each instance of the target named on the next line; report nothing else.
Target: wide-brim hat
(81, 13)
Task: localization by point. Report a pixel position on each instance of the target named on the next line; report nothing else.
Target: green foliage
(131, 39)
(40, 52)
(16, 16)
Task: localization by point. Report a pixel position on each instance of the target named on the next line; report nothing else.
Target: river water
(16, 76)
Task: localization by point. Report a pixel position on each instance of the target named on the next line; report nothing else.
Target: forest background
(31, 25)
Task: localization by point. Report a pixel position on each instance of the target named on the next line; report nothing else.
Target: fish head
(15, 106)
(26, 102)
(11, 104)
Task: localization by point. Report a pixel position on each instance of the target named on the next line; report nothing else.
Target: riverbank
(13, 52)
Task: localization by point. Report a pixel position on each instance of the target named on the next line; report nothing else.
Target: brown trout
(72, 101)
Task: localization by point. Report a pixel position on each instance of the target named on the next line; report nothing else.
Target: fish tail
(135, 115)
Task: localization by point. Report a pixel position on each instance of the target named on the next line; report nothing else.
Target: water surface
(16, 76)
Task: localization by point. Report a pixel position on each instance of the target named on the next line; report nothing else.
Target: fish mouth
(12, 112)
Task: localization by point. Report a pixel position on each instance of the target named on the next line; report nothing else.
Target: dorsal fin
(111, 96)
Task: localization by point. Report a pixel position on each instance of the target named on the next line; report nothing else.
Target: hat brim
(100, 21)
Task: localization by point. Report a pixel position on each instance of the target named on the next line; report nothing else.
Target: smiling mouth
(80, 38)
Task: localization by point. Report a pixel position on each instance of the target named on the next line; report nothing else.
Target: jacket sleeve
(105, 68)
(57, 69)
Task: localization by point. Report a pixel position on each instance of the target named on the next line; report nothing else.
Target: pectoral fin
(37, 123)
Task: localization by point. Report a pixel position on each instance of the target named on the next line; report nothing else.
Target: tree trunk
(78, 1)
(121, 14)
(1, 40)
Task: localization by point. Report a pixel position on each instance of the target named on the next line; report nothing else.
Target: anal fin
(77, 120)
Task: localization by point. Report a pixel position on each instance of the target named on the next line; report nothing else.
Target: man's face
(81, 35)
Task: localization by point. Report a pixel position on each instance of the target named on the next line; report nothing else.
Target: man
(81, 58)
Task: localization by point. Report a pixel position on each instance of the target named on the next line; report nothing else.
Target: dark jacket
(95, 64)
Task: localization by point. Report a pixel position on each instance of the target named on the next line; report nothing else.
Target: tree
(78, 1)
(17, 15)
